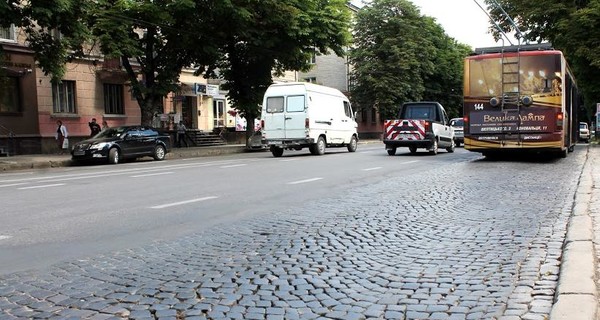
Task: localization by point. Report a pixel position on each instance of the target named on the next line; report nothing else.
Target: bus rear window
(274, 104)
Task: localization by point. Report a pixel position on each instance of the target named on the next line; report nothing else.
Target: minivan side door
(295, 117)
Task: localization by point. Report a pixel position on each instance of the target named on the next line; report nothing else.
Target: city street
(340, 236)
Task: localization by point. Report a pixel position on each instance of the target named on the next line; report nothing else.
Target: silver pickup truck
(419, 125)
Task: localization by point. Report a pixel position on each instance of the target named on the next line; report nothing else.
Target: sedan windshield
(110, 133)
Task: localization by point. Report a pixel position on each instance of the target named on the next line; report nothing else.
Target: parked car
(584, 132)
(127, 142)
(459, 132)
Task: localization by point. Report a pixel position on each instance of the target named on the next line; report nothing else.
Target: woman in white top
(60, 136)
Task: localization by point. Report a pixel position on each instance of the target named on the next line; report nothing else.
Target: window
(113, 99)
(295, 104)
(8, 33)
(311, 79)
(274, 104)
(63, 97)
(313, 58)
(9, 95)
(348, 109)
(363, 115)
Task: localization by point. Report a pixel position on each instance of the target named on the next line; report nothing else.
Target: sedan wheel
(159, 153)
(114, 156)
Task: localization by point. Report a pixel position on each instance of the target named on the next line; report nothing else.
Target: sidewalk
(576, 297)
(39, 161)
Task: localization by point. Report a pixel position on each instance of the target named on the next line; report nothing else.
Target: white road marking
(291, 159)
(407, 162)
(12, 184)
(151, 174)
(116, 172)
(233, 166)
(162, 206)
(370, 169)
(304, 181)
(3, 237)
(43, 186)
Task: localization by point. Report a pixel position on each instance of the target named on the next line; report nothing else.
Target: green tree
(400, 56)
(265, 38)
(445, 83)
(569, 26)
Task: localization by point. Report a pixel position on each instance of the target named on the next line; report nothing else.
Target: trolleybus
(519, 98)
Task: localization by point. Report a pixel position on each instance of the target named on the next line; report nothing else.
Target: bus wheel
(563, 153)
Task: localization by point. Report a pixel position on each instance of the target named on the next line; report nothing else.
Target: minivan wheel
(159, 153)
(277, 152)
(320, 147)
(412, 149)
(114, 156)
(353, 144)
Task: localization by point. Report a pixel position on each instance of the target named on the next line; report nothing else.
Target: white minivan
(300, 114)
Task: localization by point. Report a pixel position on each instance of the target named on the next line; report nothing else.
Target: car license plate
(79, 153)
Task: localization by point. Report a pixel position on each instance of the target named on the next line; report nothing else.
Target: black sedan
(128, 142)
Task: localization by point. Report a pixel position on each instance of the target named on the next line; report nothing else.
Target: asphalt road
(70, 213)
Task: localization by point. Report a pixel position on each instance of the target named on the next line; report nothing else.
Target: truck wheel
(319, 147)
(277, 152)
(451, 147)
(353, 144)
(412, 149)
(434, 147)
(391, 152)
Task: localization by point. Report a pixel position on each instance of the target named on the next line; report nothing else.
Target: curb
(576, 292)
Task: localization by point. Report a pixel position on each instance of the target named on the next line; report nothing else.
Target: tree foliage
(265, 38)
(155, 40)
(244, 40)
(400, 56)
(570, 27)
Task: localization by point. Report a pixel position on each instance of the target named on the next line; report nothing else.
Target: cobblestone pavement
(470, 240)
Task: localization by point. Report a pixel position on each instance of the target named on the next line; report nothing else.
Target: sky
(463, 20)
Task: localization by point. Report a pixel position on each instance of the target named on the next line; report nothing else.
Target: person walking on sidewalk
(181, 134)
(61, 137)
(94, 127)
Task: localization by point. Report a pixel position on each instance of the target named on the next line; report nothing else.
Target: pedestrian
(94, 127)
(62, 137)
(181, 134)
(104, 125)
